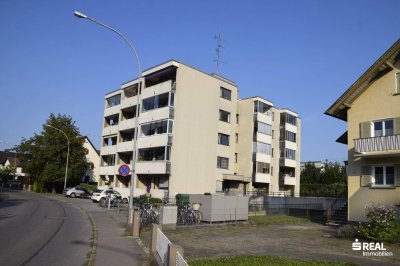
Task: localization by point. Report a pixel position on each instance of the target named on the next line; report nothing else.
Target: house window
(288, 154)
(398, 82)
(225, 93)
(223, 139)
(236, 157)
(224, 116)
(156, 128)
(383, 128)
(114, 100)
(263, 168)
(262, 147)
(236, 137)
(154, 154)
(288, 118)
(237, 118)
(222, 162)
(290, 136)
(155, 102)
(263, 128)
(384, 175)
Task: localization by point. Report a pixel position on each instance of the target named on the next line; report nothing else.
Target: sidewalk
(113, 247)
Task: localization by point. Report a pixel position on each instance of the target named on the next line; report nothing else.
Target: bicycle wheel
(198, 217)
(103, 202)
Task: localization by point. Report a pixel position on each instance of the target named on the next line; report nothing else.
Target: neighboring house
(371, 107)
(93, 161)
(10, 158)
(194, 135)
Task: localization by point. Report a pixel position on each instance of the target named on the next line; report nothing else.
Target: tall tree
(44, 156)
(328, 181)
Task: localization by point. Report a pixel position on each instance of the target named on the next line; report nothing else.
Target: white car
(75, 192)
(103, 193)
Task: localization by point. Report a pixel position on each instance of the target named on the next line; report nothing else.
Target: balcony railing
(376, 144)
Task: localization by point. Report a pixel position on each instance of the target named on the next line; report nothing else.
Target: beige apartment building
(371, 108)
(195, 136)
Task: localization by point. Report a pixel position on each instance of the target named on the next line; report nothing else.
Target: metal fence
(180, 261)
(162, 246)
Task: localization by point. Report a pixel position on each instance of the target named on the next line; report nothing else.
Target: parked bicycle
(189, 214)
(149, 214)
(111, 200)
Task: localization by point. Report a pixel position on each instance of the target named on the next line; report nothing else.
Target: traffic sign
(124, 170)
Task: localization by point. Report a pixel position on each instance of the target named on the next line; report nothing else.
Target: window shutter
(366, 176)
(365, 129)
(397, 175)
(396, 125)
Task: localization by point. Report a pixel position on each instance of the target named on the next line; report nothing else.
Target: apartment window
(260, 107)
(222, 162)
(398, 82)
(262, 147)
(288, 118)
(263, 168)
(108, 160)
(263, 128)
(236, 157)
(384, 175)
(383, 128)
(154, 102)
(237, 118)
(225, 93)
(224, 116)
(114, 100)
(236, 137)
(154, 154)
(223, 139)
(290, 136)
(156, 128)
(289, 154)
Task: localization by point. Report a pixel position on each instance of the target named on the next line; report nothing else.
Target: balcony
(128, 102)
(154, 141)
(287, 162)
(263, 117)
(261, 157)
(157, 89)
(112, 110)
(110, 130)
(125, 146)
(157, 114)
(127, 124)
(384, 145)
(153, 167)
(108, 170)
(262, 178)
(289, 180)
(106, 150)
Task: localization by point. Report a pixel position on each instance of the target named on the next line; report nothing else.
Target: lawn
(261, 260)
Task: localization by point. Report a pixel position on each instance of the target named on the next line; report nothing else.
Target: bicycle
(148, 214)
(189, 215)
(111, 200)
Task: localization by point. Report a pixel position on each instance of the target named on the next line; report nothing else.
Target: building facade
(195, 136)
(93, 161)
(371, 108)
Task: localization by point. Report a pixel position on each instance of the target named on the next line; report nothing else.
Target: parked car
(103, 193)
(77, 192)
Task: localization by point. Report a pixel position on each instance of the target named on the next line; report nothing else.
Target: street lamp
(66, 166)
(81, 15)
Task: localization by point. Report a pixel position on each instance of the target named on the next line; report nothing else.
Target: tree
(7, 173)
(44, 155)
(328, 181)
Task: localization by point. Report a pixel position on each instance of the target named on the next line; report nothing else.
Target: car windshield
(116, 192)
(98, 191)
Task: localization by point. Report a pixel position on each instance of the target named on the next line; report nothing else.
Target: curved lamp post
(66, 166)
(80, 15)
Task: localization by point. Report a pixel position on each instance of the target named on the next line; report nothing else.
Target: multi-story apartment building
(195, 136)
(371, 108)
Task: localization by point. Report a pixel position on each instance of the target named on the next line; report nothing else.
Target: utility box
(168, 217)
(216, 208)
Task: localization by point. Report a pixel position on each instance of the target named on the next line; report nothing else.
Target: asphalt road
(41, 230)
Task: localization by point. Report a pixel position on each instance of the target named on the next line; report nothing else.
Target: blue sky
(301, 55)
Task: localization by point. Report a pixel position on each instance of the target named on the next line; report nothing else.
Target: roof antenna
(217, 60)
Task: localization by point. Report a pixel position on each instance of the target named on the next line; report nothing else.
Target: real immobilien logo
(371, 249)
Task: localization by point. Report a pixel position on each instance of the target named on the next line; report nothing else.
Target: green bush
(381, 225)
(155, 200)
(347, 232)
(88, 186)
